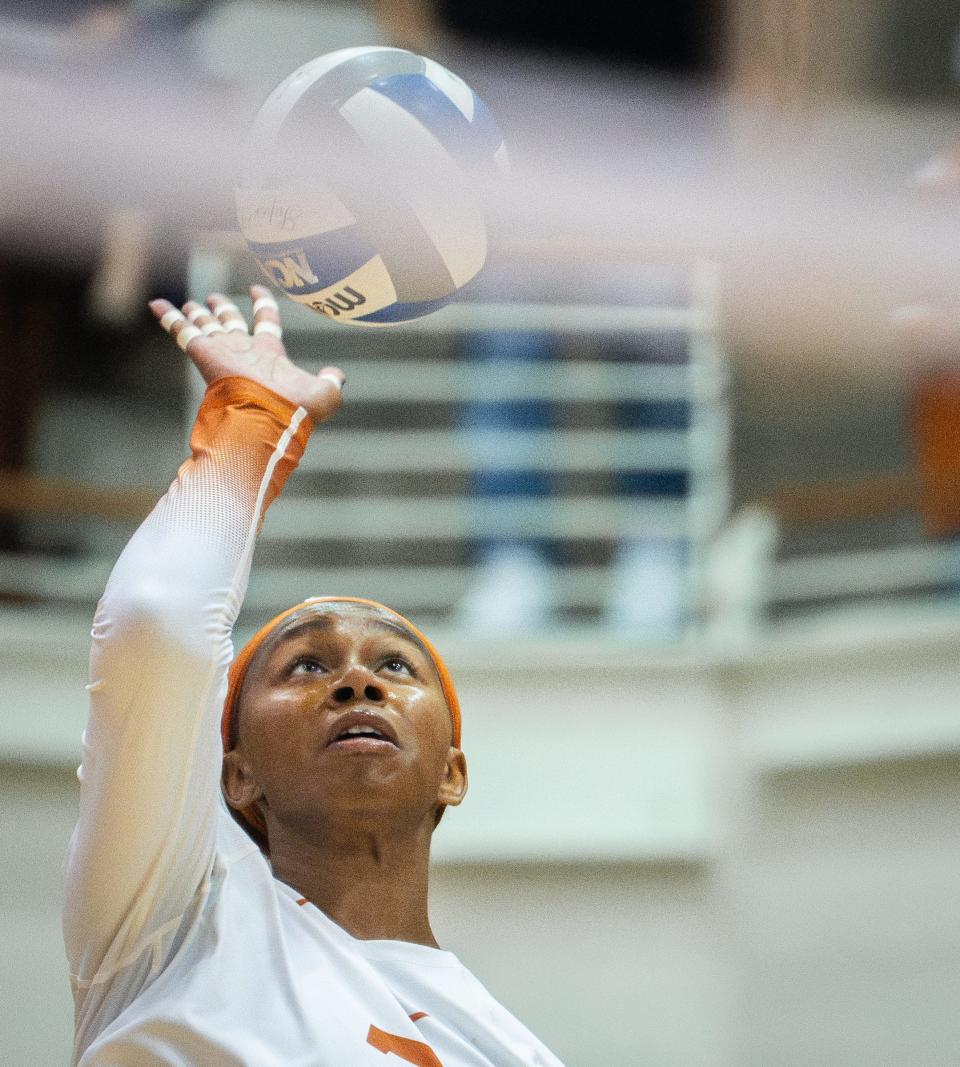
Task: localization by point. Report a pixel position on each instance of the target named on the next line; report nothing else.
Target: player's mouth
(362, 731)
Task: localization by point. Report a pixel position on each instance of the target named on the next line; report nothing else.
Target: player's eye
(398, 665)
(306, 665)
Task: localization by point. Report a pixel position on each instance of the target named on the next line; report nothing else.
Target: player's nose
(358, 682)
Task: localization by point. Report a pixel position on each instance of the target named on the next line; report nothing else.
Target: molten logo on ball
(290, 271)
(335, 305)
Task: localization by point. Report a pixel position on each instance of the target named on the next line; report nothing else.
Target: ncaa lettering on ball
(361, 190)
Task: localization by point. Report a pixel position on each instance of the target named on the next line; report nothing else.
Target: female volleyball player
(294, 933)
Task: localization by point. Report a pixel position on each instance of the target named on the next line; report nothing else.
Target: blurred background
(676, 488)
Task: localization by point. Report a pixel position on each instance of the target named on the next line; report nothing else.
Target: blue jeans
(503, 349)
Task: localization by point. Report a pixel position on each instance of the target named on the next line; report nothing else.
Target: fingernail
(154, 305)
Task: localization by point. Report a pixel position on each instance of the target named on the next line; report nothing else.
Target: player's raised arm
(143, 846)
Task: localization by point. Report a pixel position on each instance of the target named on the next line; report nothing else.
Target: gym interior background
(731, 545)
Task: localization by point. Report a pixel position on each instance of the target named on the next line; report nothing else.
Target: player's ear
(453, 787)
(240, 788)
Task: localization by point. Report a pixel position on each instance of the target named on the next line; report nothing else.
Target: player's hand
(218, 341)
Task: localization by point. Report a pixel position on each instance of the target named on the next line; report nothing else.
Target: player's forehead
(337, 617)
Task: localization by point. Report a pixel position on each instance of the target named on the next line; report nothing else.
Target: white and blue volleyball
(363, 183)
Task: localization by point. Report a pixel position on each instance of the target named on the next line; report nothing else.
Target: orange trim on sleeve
(241, 422)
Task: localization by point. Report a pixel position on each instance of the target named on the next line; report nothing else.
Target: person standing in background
(513, 589)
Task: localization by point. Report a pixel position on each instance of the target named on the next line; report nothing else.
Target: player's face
(342, 715)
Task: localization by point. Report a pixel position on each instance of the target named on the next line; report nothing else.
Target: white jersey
(183, 947)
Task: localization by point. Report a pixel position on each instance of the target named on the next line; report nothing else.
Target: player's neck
(374, 886)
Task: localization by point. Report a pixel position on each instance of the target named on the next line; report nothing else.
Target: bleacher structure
(384, 504)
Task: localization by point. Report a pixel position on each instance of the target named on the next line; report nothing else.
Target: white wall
(37, 809)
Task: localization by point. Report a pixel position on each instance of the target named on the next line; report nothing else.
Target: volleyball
(362, 188)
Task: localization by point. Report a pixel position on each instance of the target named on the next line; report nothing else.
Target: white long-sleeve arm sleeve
(144, 842)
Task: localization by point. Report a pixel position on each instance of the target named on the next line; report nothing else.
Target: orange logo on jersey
(405, 1048)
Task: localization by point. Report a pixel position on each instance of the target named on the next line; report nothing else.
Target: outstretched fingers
(180, 328)
(334, 375)
(266, 313)
(203, 319)
(227, 313)
(218, 341)
(329, 392)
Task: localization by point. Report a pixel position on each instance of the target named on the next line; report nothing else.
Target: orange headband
(238, 671)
